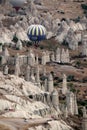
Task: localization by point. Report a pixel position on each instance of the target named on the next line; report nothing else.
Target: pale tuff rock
(57, 56)
(71, 40)
(4, 104)
(47, 56)
(49, 35)
(64, 26)
(78, 36)
(32, 77)
(56, 25)
(62, 55)
(34, 20)
(3, 61)
(6, 36)
(66, 113)
(45, 84)
(70, 34)
(17, 59)
(52, 125)
(76, 26)
(76, 106)
(48, 99)
(19, 45)
(17, 65)
(43, 61)
(42, 87)
(50, 85)
(38, 2)
(64, 84)
(0, 47)
(31, 58)
(13, 84)
(5, 52)
(84, 44)
(22, 106)
(49, 19)
(17, 70)
(79, 27)
(44, 71)
(46, 24)
(37, 77)
(5, 56)
(56, 125)
(52, 56)
(37, 61)
(5, 71)
(27, 74)
(62, 32)
(71, 103)
(84, 112)
(83, 22)
(67, 56)
(21, 34)
(17, 26)
(73, 44)
(24, 23)
(55, 100)
(33, 9)
(84, 120)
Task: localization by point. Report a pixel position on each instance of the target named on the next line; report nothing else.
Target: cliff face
(51, 126)
(15, 92)
(16, 102)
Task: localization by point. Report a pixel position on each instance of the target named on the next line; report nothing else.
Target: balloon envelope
(17, 4)
(36, 33)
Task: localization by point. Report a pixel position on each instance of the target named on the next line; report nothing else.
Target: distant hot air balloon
(17, 4)
(36, 33)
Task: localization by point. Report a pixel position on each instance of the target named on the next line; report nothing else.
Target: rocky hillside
(34, 104)
(19, 99)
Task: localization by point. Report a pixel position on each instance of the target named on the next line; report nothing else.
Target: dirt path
(10, 127)
(19, 124)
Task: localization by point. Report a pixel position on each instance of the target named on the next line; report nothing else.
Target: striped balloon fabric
(36, 33)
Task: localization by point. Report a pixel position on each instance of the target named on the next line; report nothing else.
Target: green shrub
(41, 47)
(0, 44)
(70, 78)
(17, 48)
(84, 6)
(55, 84)
(80, 112)
(71, 87)
(15, 39)
(77, 19)
(29, 43)
(65, 43)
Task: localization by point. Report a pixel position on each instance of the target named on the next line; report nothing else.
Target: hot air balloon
(17, 4)
(36, 33)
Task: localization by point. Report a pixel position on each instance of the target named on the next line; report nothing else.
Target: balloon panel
(36, 38)
(17, 3)
(36, 33)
